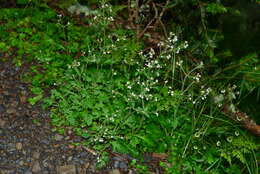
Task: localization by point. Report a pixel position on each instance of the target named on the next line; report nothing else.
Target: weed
(114, 94)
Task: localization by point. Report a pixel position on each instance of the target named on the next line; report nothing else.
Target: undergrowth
(106, 88)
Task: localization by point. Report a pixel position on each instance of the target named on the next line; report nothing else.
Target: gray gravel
(30, 148)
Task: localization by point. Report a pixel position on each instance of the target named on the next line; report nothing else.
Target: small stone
(19, 146)
(70, 158)
(36, 167)
(70, 146)
(130, 172)
(116, 164)
(28, 172)
(58, 137)
(115, 171)
(11, 111)
(2, 108)
(11, 147)
(123, 165)
(86, 165)
(21, 163)
(23, 99)
(2, 123)
(68, 169)
(36, 155)
(84, 154)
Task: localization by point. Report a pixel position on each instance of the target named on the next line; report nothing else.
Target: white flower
(229, 139)
(185, 44)
(219, 98)
(237, 133)
(197, 134)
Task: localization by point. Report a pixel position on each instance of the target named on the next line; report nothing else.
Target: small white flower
(197, 134)
(229, 139)
(237, 133)
(218, 143)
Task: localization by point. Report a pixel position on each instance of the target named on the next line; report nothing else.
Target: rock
(115, 171)
(68, 169)
(11, 111)
(2, 122)
(21, 163)
(86, 165)
(70, 158)
(23, 99)
(123, 165)
(36, 167)
(131, 172)
(2, 108)
(84, 154)
(28, 172)
(19, 146)
(11, 147)
(116, 164)
(36, 155)
(58, 137)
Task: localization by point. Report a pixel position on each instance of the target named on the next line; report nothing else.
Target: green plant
(113, 92)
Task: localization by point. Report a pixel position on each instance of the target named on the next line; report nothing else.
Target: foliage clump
(115, 92)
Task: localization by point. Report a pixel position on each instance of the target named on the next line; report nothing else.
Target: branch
(242, 118)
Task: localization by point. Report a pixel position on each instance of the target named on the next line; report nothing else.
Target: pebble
(36, 155)
(28, 172)
(21, 163)
(36, 167)
(68, 169)
(58, 137)
(2, 108)
(123, 165)
(11, 147)
(11, 111)
(2, 123)
(19, 146)
(115, 171)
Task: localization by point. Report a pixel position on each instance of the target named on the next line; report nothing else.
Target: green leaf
(118, 147)
(216, 8)
(88, 119)
(34, 100)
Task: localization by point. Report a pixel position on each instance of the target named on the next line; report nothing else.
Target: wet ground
(27, 144)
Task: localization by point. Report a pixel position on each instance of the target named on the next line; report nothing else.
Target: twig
(242, 118)
(137, 19)
(139, 35)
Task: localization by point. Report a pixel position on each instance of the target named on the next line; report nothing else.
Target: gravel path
(27, 144)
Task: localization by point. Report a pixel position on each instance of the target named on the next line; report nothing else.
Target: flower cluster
(205, 92)
(172, 45)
